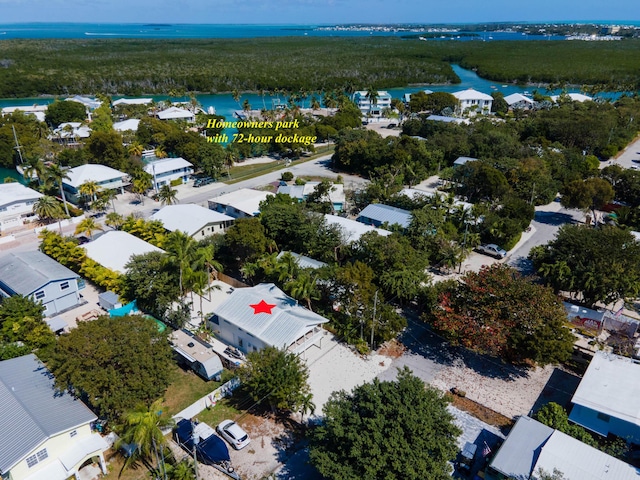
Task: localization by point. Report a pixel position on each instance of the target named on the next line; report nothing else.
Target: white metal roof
(576, 97)
(114, 249)
(517, 97)
(15, 192)
(353, 230)
(173, 113)
(385, 213)
(91, 172)
(25, 109)
(130, 124)
(245, 200)
(86, 101)
(286, 323)
(611, 385)
(132, 101)
(579, 461)
(471, 94)
(189, 218)
(166, 165)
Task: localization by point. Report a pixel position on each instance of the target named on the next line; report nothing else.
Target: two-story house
(41, 278)
(44, 434)
(164, 171)
(16, 204)
(105, 177)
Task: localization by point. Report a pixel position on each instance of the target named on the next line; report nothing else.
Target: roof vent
(191, 344)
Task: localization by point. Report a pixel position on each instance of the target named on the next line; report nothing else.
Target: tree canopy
(385, 430)
(113, 364)
(492, 312)
(21, 323)
(62, 111)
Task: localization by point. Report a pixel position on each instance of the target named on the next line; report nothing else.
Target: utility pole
(196, 440)
(373, 322)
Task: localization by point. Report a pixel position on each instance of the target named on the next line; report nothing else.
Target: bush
(300, 181)
(286, 176)
(176, 182)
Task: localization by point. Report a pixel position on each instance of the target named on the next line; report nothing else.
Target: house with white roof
(105, 177)
(175, 113)
(419, 195)
(378, 214)
(194, 220)
(352, 230)
(574, 97)
(197, 354)
(130, 124)
(38, 111)
(303, 261)
(90, 103)
(16, 204)
(166, 170)
(607, 400)
(241, 203)
(45, 434)
(532, 447)
(132, 101)
(519, 101)
(39, 277)
(473, 101)
(69, 133)
(256, 317)
(336, 195)
(367, 107)
(460, 161)
(114, 249)
(444, 119)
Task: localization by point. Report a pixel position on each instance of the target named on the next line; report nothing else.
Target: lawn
(185, 388)
(224, 409)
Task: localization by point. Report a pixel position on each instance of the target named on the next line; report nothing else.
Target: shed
(109, 300)
(196, 353)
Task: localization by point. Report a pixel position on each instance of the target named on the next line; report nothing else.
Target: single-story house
(16, 204)
(256, 317)
(38, 111)
(458, 162)
(166, 170)
(517, 100)
(69, 133)
(378, 214)
(445, 119)
(41, 278)
(175, 113)
(114, 249)
(194, 220)
(132, 101)
(607, 400)
(44, 434)
(301, 192)
(105, 177)
(352, 230)
(241, 203)
(197, 354)
(574, 97)
(473, 101)
(130, 124)
(90, 103)
(532, 446)
(367, 107)
(415, 194)
(303, 261)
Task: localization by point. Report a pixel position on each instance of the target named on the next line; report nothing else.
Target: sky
(311, 12)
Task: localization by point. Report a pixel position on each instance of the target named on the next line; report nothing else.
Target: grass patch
(185, 388)
(224, 409)
(480, 411)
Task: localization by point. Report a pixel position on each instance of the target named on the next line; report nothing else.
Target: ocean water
(98, 30)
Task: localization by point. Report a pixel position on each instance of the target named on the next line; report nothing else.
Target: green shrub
(286, 176)
(176, 182)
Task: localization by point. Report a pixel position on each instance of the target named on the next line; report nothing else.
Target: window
(42, 454)
(604, 417)
(37, 457)
(73, 433)
(240, 342)
(39, 295)
(215, 319)
(31, 461)
(64, 285)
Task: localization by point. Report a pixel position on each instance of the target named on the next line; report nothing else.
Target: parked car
(234, 434)
(82, 240)
(392, 125)
(492, 250)
(199, 182)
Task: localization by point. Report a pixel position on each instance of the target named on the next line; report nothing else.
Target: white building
(517, 100)
(194, 220)
(241, 203)
(114, 249)
(473, 102)
(127, 125)
(352, 230)
(367, 107)
(132, 101)
(90, 103)
(254, 318)
(105, 177)
(38, 111)
(175, 113)
(336, 195)
(574, 97)
(69, 133)
(165, 170)
(16, 204)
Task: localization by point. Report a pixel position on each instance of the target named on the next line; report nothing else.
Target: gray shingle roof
(31, 411)
(26, 272)
(287, 322)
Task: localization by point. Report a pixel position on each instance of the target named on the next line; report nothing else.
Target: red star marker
(262, 307)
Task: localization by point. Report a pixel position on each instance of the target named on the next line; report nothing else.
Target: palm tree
(246, 106)
(88, 226)
(168, 195)
(55, 174)
(140, 186)
(306, 405)
(372, 96)
(235, 94)
(142, 427)
(89, 189)
(33, 166)
(181, 250)
(114, 220)
(315, 103)
(135, 149)
(160, 152)
(47, 207)
(304, 288)
(183, 470)
(109, 195)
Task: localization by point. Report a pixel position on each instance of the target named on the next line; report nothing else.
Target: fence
(209, 400)
(231, 281)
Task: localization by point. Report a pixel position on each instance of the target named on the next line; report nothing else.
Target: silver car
(233, 433)
(492, 250)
